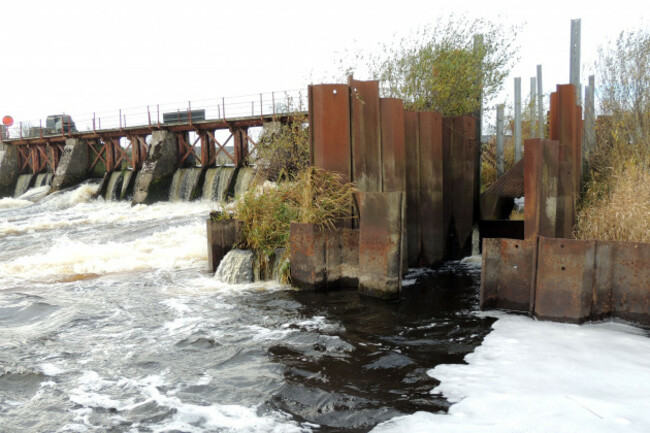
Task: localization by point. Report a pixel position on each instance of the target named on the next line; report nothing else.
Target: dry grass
(315, 196)
(617, 208)
(489, 161)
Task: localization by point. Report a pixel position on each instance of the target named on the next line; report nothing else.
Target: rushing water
(109, 321)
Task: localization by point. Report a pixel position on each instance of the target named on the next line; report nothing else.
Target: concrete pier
(153, 181)
(9, 170)
(73, 166)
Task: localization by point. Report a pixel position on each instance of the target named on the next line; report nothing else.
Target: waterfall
(244, 179)
(23, 184)
(43, 179)
(127, 187)
(217, 181)
(236, 267)
(114, 188)
(184, 184)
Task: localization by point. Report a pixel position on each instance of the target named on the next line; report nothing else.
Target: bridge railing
(252, 105)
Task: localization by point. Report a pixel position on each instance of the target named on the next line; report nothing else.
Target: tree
(624, 71)
(442, 68)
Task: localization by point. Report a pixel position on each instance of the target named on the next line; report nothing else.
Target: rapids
(109, 321)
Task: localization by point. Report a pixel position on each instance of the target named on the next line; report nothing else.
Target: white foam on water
(543, 377)
(197, 418)
(50, 369)
(317, 323)
(14, 203)
(101, 213)
(35, 194)
(174, 248)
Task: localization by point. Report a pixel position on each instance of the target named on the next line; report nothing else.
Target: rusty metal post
(365, 135)
(110, 156)
(380, 230)
(541, 159)
(206, 147)
(241, 146)
(570, 158)
(431, 215)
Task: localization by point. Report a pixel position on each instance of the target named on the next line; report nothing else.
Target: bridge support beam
(73, 166)
(154, 179)
(9, 170)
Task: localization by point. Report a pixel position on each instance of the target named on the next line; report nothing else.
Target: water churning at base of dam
(113, 322)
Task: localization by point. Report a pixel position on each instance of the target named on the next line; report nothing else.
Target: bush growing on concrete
(314, 196)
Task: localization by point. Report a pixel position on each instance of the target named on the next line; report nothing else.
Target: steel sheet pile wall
(459, 159)
(223, 235)
(385, 150)
(431, 204)
(567, 280)
(548, 275)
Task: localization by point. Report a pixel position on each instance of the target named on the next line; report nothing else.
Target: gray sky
(81, 57)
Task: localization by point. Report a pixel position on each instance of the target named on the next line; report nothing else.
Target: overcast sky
(81, 57)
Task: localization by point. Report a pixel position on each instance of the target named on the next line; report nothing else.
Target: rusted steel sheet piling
(308, 256)
(342, 258)
(413, 185)
(329, 132)
(380, 262)
(570, 280)
(365, 135)
(631, 282)
(431, 215)
(223, 235)
(459, 160)
(540, 188)
(509, 269)
(394, 158)
(565, 277)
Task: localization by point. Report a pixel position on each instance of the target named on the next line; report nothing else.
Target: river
(109, 321)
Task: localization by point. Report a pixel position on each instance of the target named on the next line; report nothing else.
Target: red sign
(7, 121)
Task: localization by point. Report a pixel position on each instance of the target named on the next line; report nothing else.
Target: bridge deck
(209, 124)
